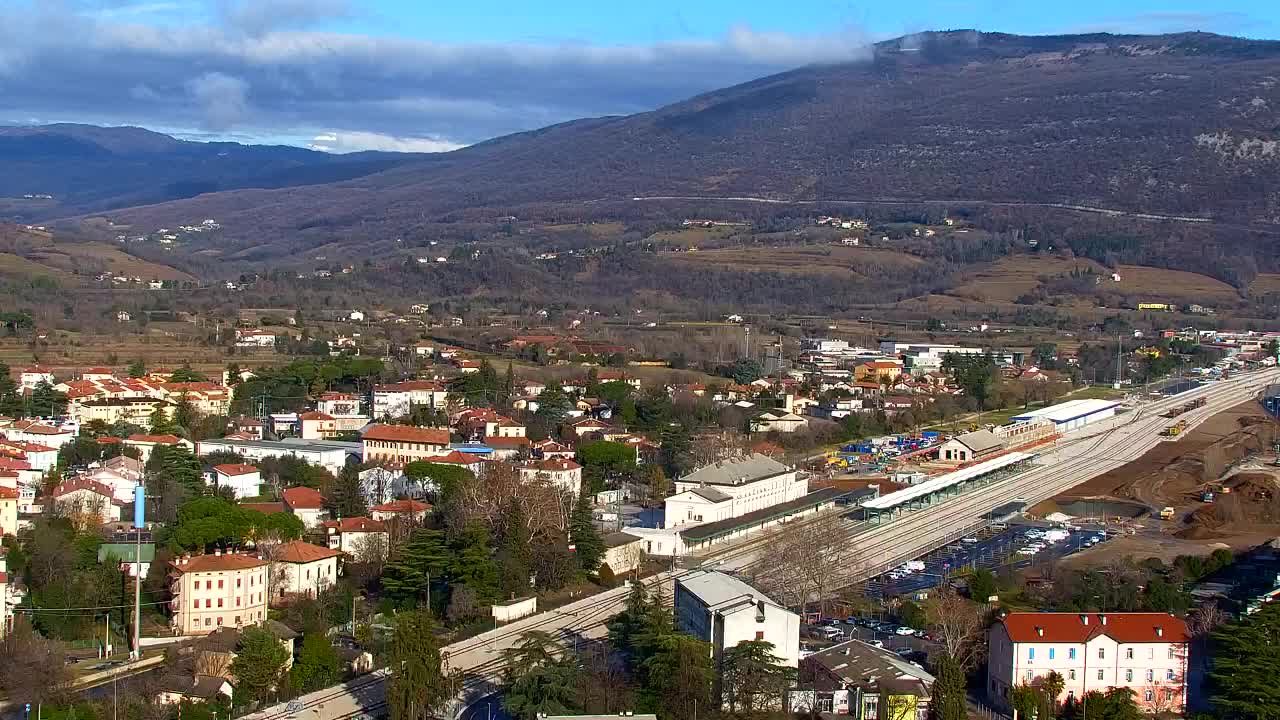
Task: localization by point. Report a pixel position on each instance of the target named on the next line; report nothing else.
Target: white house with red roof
(403, 443)
(588, 426)
(244, 480)
(356, 536)
(86, 502)
(306, 503)
(408, 509)
(98, 373)
(561, 472)
(548, 449)
(337, 403)
(219, 590)
(316, 425)
(37, 433)
(31, 377)
(146, 443)
(398, 399)
(38, 456)
(301, 569)
(1144, 652)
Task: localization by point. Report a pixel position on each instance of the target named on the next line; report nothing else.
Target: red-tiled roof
(409, 385)
(552, 465)
(217, 563)
(69, 486)
(355, 524)
(109, 440)
(8, 493)
(155, 439)
(235, 469)
(455, 458)
(402, 506)
(8, 463)
(315, 415)
(405, 433)
(303, 498)
(35, 428)
(1071, 628)
(303, 552)
(506, 442)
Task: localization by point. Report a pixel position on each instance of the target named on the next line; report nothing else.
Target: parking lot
(1013, 547)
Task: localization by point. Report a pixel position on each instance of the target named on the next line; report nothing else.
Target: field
(1265, 283)
(602, 229)
(71, 353)
(694, 236)
(17, 265)
(1160, 284)
(1014, 276)
(1011, 277)
(33, 254)
(807, 259)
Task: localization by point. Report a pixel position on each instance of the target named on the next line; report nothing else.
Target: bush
(607, 578)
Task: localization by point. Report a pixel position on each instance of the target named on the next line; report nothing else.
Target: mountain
(1178, 124)
(92, 169)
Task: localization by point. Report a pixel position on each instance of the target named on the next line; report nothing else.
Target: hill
(1177, 124)
(67, 169)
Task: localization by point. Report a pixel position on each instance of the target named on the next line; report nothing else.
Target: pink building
(1146, 652)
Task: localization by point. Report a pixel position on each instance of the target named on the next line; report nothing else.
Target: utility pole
(1119, 357)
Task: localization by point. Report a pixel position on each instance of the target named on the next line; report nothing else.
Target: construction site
(1215, 485)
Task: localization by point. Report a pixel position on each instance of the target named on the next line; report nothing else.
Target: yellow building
(218, 590)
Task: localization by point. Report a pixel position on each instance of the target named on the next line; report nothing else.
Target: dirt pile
(1254, 501)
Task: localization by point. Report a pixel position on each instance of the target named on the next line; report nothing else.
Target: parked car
(904, 630)
(876, 643)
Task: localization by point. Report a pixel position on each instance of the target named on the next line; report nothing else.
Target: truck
(1175, 429)
(1206, 496)
(1166, 513)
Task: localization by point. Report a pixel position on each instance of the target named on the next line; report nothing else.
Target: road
(1077, 457)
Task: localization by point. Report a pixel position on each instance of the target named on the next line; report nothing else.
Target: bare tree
(217, 664)
(804, 560)
(501, 488)
(32, 668)
(957, 623)
(1206, 618)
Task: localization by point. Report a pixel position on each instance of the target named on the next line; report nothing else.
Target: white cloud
(222, 98)
(356, 141)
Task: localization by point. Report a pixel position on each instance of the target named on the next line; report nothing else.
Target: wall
(515, 610)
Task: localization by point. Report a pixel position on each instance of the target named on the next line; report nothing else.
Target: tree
(911, 615)
(185, 414)
(536, 681)
(420, 685)
(678, 676)
(1246, 662)
(948, 697)
(753, 678)
(160, 421)
(958, 624)
(745, 371)
(11, 403)
(32, 668)
(421, 562)
(259, 663)
(136, 369)
(588, 545)
(185, 374)
(317, 664)
(1052, 686)
(982, 585)
(47, 402)
(553, 408)
(347, 498)
(656, 483)
(676, 451)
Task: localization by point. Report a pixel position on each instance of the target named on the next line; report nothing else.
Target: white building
(31, 377)
(244, 480)
(731, 488)
(86, 503)
(35, 432)
(253, 338)
(561, 472)
(777, 421)
(356, 536)
(399, 399)
(1073, 414)
(623, 552)
(300, 568)
(307, 504)
(723, 611)
(1146, 652)
(144, 444)
(332, 455)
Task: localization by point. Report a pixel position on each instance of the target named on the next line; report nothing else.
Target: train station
(935, 490)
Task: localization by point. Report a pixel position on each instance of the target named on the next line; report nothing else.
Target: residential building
(6, 618)
(332, 455)
(86, 503)
(9, 497)
(407, 509)
(254, 428)
(587, 427)
(31, 377)
(1144, 652)
(336, 403)
(132, 410)
(40, 458)
(244, 480)
(34, 431)
(723, 611)
(356, 536)
(561, 472)
(207, 398)
(306, 503)
(145, 444)
(317, 425)
(254, 338)
(399, 399)
(301, 569)
(878, 371)
(218, 590)
(551, 449)
(862, 681)
(731, 488)
(403, 443)
(777, 421)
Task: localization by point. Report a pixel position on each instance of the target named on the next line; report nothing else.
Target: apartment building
(218, 590)
(402, 443)
(1145, 652)
(731, 488)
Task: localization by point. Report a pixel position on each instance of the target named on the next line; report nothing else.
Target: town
(850, 530)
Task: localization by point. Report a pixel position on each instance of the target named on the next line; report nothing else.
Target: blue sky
(426, 75)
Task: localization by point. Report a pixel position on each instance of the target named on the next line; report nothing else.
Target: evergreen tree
(553, 408)
(678, 677)
(947, 699)
(317, 665)
(676, 451)
(11, 404)
(472, 565)
(419, 687)
(753, 678)
(186, 374)
(588, 545)
(161, 424)
(508, 391)
(1246, 663)
(258, 665)
(47, 402)
(421, 563)
(347, 498)
(136, 369)
(185, 415)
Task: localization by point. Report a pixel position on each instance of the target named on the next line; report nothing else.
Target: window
(237, 620)
(1102, 653)
(1151, 676)
(1100, 675)
(237, 602)
(195, 605)
(308, 574)
(1128, 676)
(1170, 652)
(1050, 653)
(1028, 676)
(238, 580)
(1071, 653)
(219, 602)
(219, 622)
(208, 603)
(1150, 696)
(208, 584)
(1031, 653)
(1168, 675)
(219, 584)
(207, 622)
(1128, 653)
(1071, 674)
(759, 634)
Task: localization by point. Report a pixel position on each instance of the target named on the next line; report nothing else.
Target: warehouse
(1072, 415)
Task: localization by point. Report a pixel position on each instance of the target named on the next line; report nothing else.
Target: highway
(1076, 458)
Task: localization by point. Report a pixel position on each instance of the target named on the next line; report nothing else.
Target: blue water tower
(139, 505)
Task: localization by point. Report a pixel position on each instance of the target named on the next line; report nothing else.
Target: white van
(830, 633)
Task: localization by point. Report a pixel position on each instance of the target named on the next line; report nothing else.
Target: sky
(430, 76)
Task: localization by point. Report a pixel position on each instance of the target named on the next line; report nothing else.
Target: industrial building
(722, 610)
(1072, 415)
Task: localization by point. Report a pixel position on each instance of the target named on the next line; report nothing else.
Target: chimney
(217, 552)
(759, 611)
(1084, 618)
(1102, 618)
(1039, 631)
(1159, 631)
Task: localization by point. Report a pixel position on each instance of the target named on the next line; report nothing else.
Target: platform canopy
(944, 482)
